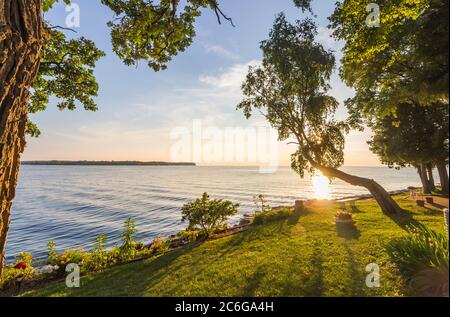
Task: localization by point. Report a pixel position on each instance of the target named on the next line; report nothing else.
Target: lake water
(73, 204)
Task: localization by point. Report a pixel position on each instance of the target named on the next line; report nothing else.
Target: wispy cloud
(231, 77)
(221, 52)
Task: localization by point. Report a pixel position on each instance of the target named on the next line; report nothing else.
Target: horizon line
(170, 162)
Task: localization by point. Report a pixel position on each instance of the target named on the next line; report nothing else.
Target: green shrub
(96, 260)
(127, 251)
(422, 258)
(207, 214)
(100, 258)
(77, 256)
(52, 253)
(159, 246)
(272, 215)
(190, 235)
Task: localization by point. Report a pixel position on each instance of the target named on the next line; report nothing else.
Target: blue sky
(139, 108)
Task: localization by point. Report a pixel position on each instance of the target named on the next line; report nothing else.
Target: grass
(303, 255)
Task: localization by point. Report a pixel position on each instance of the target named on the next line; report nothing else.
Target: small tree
(127, 249)
(261, 203)
(208, 214)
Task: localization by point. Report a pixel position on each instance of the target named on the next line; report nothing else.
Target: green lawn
(302, 256)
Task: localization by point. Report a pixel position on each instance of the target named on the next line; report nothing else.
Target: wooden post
(299, 204)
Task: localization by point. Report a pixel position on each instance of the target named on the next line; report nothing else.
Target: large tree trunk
(20, 46)
(387, 204)
(443, 176)
(431, 177)
(422, 170)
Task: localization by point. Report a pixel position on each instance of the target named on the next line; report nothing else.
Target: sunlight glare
(321, 186)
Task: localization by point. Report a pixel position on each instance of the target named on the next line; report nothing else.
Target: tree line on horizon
(108, 163)
(398, 70)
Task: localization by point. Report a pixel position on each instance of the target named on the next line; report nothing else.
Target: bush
(101, 258)
(190, 235)
(422, 258)
(127, 251)
(208, 214)
(159, 246)
(272, 215)
(52, 254)
(77, 256)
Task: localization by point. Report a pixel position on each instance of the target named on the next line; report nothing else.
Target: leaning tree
(37, 61)
(290, 91)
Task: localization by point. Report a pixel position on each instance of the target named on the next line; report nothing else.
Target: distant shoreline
(107, 163)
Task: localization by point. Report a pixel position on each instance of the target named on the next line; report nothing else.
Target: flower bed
(344, 217)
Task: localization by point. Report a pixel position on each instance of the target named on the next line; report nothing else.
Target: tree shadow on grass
(132, 279)
(404, 219)
(348, 231)
(357, 278)
(355, 209)
(437, 210)
(293, 219)
(144, 275)
(314, 285)
(228, 246)
(253, 283)
(296, 215)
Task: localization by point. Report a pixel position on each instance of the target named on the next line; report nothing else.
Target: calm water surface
(73, 204)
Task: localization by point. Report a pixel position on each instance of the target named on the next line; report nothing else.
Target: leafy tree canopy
(415, 135)
(404, 59)
(66, 72)
(305, 5)
(153, 31)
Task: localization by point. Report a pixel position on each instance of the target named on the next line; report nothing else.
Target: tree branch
(62, 28)
(219, 13)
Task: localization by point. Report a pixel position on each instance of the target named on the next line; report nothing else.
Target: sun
(321, 186)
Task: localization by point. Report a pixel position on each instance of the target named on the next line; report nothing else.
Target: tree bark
(431, 177)
(422, 170)
(20, 46)
(387, 204)
(443, 176)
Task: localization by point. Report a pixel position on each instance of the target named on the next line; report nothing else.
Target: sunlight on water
(321, 186)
